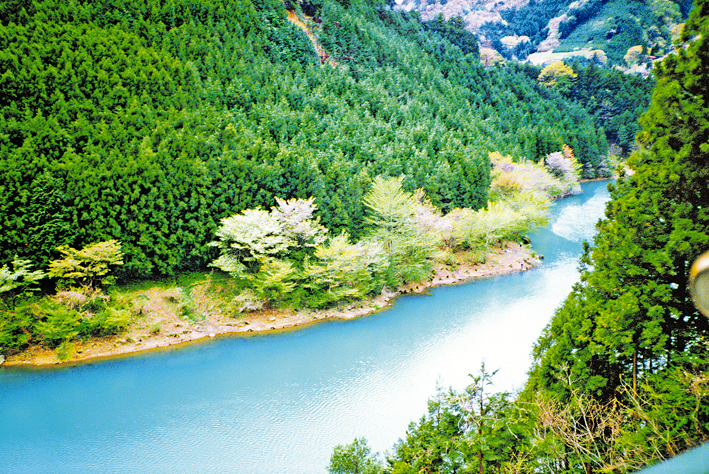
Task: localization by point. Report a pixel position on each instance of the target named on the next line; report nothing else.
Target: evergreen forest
(149, 121)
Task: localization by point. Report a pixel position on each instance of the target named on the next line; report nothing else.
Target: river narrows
(279, 403)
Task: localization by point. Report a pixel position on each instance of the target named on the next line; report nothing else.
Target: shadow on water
(279, 403)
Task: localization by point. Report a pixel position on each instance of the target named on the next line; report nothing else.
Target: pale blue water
(278, 404)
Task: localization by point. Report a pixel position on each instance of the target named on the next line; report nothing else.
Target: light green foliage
(341, 270)
(249, 238)
(392, 207)
(297, 222)
(88, 266)
(65, 351)
(15, 330)
(634, 56)
(57, 324)
(275, 280)
(511, 177)
(408, 246)
(354, 458)
(18, 281)
(155, 329)
(558, 76)
(510, 219)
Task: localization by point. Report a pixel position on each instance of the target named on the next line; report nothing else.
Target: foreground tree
(354, 458)
(474, 430)
(631, 319)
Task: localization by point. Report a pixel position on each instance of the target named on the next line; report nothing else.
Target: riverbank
(161, 327)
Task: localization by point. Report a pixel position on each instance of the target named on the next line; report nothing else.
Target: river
(279, 403)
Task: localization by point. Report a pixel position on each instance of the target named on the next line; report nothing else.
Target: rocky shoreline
(509, 258)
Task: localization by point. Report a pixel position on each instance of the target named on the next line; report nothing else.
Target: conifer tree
(631, 317)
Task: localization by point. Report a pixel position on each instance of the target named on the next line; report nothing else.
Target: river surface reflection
(279, 403)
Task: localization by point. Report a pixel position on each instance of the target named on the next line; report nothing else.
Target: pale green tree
(275, 279)
(558, 76)
(297, 222)
(510, 219)
(89, 266)
(341, 270)
(18, 282)
(408, 247)
(392, 208)
(247, 239)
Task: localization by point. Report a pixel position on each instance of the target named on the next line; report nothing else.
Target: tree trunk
(635, 370)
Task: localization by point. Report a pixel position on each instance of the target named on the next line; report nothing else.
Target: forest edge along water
(280, 402)
(506, 258)
(173, 330)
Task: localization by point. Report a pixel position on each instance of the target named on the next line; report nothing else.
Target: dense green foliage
(616, 26)
(148, 122)
(353, 458)
(638, 317)
(280, 258)
(616, 100)
(468, 431)
(620, 377)
(285, 258)
(79, 309)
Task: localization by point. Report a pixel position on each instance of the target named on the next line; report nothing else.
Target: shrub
(341, 271)
(276, 280)
(15, 327)
(110, 321)
(18, 282)
(58, 323)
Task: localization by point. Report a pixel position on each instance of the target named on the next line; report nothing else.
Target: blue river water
(278, 404)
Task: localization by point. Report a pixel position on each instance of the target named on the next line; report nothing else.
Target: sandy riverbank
(174, 330)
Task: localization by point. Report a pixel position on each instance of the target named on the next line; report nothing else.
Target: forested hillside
(148, 122)
(610, 27)
(619, 33)
(616, 100)
(620, 377)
